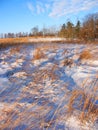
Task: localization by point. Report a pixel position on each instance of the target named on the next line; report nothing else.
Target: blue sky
(22, 15)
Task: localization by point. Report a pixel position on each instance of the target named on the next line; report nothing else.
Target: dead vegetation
(38, 54)
(41, 76)
(85, 54)
(68, 62)
(85, 102)
(15, 50)
(14, 40)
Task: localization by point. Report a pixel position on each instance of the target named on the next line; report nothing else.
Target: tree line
(35, 31)
(13, 35)
(87, 30)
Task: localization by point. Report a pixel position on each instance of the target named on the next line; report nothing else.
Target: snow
(74, 123)
(45, 39)
(39, 86)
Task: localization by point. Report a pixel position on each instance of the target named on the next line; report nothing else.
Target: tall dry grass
(13, 40)
(85, 100)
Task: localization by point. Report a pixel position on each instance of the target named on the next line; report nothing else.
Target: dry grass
(41, 76)
(15, 50)
(68, 62)
(85, 55)
(38, 54)
(4, 41)
(14, 40)
(85, 102)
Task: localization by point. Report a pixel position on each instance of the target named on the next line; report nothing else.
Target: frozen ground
(35, 90)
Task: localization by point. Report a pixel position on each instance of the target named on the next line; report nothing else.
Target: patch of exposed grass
(68, 62)
(85, 55)
(85, 102)
(38, 54)
(15, 50)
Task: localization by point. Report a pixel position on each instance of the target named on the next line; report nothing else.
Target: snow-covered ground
(35, 81)
(48, 39)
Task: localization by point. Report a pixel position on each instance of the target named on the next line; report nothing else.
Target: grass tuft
(86, 102)
(85, 55)
(38, 54)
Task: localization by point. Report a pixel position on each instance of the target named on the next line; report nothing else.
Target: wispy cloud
(40, 8)
(61, 8)
(47, 6)
(30, 7)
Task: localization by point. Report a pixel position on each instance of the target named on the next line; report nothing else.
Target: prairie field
(51, 86)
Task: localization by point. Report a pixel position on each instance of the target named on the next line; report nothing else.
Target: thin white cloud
(36, 8)
(65, 7)
(47, 6)
(30, 7)
(59, 8)
(40, 8)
